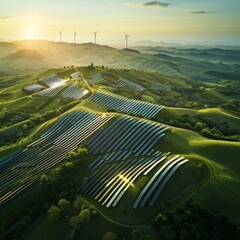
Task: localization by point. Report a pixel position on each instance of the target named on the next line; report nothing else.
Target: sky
(143, 20)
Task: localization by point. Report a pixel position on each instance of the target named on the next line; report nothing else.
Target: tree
(177, 220)
(64, 204)
(75, 222)
(82, 152)
(148, 237)
(85, 216)
(43, 179)
(94, 212)
(170, 235)
(109, 236)
(84, 206)
(137, 95)
(69, 165)
(199, 126)
(205, 132)
(54, 213)
(25, 127)
(72, 155)
(78, 203)
(214, 130)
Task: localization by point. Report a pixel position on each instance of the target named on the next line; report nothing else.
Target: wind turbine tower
(75, 37)
(126, 38)
(95, 37)
(60, 36)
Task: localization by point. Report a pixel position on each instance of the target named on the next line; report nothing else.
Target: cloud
(156, 4)
(5, 17)
(199, 12)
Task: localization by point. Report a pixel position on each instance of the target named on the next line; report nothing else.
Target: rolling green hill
(212, 171)
(223, 159)
(214, 116)
(30, 56)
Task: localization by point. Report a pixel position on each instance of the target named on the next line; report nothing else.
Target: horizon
(118, 42)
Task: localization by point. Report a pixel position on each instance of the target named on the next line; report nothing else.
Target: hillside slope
(47, 54)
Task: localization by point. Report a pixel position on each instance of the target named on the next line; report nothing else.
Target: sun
(31, 32)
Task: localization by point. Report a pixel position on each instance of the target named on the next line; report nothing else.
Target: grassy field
(216, 115)
(222, 158)
(218, 200)
(45, 229)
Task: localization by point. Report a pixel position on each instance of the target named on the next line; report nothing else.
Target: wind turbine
(95, 37)
(75, 37)
(126, 38)
(60, 36)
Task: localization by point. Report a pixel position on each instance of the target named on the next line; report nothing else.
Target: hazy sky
(43, 18)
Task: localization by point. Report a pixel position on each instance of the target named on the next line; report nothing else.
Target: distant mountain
(187, 62)
(146, 43)
(38, 55)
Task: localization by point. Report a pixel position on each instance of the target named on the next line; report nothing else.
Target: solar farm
(52, 91)
(123, 83)
(35, 87)
(53, 81)
(76, 76)
(128, 106)
(116, 180)
(50, 149)
(75, 92)
(161, 87)
(122, 152)
(96, 78)
(56, 85)
(134, 164)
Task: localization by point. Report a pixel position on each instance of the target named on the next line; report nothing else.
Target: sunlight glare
(125, 179)
(31, 32)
